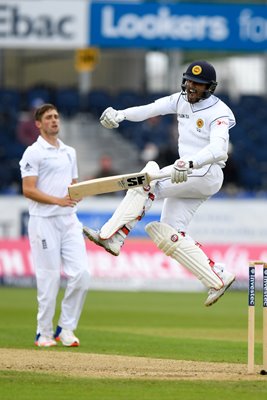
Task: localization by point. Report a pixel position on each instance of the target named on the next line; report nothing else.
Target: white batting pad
(185, 251)
(134, 204)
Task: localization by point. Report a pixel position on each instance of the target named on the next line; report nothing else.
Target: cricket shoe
(44, 341)
(66, 337)
(112, 245)
(227, 277)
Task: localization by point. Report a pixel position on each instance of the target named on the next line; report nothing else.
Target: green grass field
(156, 325)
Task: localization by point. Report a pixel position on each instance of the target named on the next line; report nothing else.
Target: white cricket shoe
(44, 341)
(227, 277)
(66, 337)
(112, 245)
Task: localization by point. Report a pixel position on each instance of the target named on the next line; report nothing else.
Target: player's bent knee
(136, 202)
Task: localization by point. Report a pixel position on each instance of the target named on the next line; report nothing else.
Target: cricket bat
(113, 183)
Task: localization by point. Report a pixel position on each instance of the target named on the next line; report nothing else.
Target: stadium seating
(248, 137)
(96, 101)
(67, 101)
(40, 93)
(10, 100)
(127, 98)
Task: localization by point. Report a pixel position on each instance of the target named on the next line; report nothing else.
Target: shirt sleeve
(163, 106)
(29, 164)
(217, 149)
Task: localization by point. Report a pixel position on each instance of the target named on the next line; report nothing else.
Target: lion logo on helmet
(196, 70)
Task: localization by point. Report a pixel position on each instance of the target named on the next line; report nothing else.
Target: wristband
(191, 164)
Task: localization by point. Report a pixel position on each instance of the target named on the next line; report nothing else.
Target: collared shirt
(55, 168)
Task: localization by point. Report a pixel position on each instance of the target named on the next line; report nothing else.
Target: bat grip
(160, 176)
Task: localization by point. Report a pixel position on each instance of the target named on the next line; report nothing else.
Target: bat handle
(160, 176)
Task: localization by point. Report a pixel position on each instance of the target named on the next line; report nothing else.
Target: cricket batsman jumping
(203, 123)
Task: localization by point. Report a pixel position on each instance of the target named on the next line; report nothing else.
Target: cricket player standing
(203, 136)
(48, 166)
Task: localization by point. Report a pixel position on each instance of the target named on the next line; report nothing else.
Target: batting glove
(180, 170)
(111, 118)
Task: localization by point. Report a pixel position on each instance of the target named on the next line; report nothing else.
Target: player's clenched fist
(111, 118)
(180, 170)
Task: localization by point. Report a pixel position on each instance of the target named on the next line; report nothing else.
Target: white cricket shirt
(203, 127)
(55, 169)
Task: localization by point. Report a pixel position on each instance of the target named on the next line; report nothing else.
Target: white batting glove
(180, 170)
(111, 118)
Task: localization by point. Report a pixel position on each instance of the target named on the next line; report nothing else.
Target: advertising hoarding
(179, 26)
(43, 24)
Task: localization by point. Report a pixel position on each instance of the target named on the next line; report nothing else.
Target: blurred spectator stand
(27, 133)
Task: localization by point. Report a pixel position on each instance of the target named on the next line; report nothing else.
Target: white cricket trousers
(182, 200)
(57, 245)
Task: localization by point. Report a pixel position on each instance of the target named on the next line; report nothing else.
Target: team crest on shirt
(196, 70)
(200, 123)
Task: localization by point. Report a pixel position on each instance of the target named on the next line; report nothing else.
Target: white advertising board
(43, 24)
(218, 221)
(231, 221)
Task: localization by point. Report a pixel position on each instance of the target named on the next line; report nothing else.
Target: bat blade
(107, 185)
(111, 184)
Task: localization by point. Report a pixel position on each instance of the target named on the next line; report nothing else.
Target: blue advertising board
(96, 220)
(181, 26)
